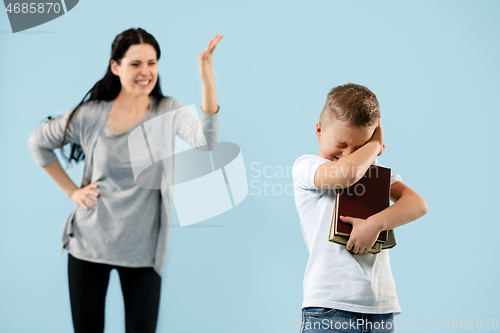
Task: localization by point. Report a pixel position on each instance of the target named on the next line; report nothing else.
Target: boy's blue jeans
(328, 320)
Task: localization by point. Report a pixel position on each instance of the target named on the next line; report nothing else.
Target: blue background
(434, 66)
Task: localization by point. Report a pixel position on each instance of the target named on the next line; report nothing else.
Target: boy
(345, 287)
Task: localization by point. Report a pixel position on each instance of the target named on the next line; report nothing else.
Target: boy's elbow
(419, 204)
(422, 205)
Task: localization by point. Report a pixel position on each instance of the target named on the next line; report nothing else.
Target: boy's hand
(363, 235)
(378, 137)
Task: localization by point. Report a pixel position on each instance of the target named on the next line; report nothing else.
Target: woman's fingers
(207, 54)
(208, 46)
(83, 205)
(86, 200)
(215, 41)
(81, 196)
(212, 44)
(92, 202)
(89, 190)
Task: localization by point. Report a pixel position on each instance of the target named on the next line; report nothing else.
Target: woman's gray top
(122, 228)
(87, 128)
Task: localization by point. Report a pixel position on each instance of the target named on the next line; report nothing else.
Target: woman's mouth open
(143, 84)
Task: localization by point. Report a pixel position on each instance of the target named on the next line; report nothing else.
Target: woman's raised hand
(80, 195)
(206, 59)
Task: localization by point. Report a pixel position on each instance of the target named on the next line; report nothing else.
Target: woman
(124, 226)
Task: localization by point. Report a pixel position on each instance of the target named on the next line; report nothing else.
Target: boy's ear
(318, 131)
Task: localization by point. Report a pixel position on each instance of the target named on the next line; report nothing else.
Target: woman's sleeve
(49, 136)
(187, 126)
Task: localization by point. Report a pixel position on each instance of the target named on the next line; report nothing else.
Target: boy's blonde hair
(353, 103)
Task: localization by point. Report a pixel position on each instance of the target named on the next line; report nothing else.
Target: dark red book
(366, 197)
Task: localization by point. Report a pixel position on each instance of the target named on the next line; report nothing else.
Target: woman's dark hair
(109, 86)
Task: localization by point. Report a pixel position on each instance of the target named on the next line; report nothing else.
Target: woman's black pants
(88, 283)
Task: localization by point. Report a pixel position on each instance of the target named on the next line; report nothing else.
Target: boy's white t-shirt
(334, 277)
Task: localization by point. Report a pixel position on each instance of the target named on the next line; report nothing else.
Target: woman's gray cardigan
(86, 126)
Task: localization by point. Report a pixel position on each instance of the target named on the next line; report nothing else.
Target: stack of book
(368, 196)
